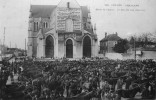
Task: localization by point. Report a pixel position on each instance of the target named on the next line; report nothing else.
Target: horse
(129, 93)
(148, 91)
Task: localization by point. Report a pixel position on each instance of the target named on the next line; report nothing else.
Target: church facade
(63, 30)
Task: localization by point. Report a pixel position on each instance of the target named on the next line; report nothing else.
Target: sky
(126, 17)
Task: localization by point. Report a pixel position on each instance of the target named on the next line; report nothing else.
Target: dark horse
(128, 93)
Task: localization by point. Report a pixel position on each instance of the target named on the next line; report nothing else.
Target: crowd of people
(82, 79)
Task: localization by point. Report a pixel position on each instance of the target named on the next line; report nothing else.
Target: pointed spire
(31, 20)
(89, 16)
(94, 28)
(88, 8)
(30, 14)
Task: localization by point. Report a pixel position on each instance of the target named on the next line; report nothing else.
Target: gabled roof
(111, 37)
(45, 11)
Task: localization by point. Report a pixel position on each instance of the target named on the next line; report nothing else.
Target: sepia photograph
(77, 49)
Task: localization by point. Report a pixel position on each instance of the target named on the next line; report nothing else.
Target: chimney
(116, 34)
(105, 34)
(68, 5)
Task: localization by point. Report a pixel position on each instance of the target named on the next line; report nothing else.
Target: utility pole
(134, 49)
(4, 43)
(1, 49)
(4, 37)
(64, 46)
(25, 47)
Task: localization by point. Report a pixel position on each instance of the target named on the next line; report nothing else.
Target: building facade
(108, 42)
(63, 30)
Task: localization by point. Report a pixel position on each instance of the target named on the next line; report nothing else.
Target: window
(45, 25)
(115, 43)
(35, 26)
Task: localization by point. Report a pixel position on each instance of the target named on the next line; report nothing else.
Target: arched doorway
(49, 49)
(87, 47)
(69, 48)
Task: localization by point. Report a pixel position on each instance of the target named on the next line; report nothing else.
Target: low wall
(114, 56)
(145, 55)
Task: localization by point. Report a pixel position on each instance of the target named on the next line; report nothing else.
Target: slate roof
(45, 11)
(111, 37)
(85, 11)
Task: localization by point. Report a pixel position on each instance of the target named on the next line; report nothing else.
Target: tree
(143, 40)
(3, 49)
(132, 41)
(122, 46)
